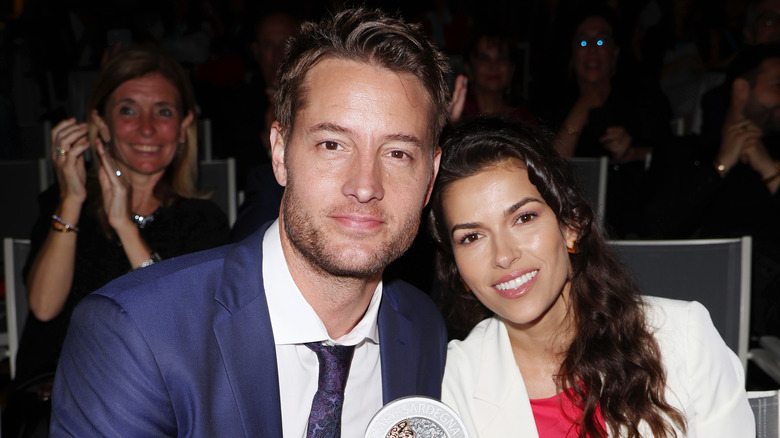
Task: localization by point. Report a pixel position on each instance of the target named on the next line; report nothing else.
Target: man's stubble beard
(319, 251)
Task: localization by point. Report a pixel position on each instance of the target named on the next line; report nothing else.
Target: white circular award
(416, 417)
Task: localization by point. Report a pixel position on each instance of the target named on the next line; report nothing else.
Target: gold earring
(573, 248)
(465, 286)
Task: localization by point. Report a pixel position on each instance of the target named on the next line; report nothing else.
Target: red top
(556, 417)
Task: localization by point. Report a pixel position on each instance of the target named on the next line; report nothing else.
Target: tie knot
(332, 354)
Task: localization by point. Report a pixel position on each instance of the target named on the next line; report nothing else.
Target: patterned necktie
(325, 416)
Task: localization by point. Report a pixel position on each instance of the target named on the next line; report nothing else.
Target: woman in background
(491, 58)
(561, 342)
(137, 205)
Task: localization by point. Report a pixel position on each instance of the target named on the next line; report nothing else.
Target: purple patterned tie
(325, 416)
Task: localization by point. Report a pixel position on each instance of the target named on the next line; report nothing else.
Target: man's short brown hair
(366, 36)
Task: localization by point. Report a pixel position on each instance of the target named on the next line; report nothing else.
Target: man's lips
(359, 222)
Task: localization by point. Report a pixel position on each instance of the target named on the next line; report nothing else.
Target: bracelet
(775, 176)
(60, 225)
(153, 258)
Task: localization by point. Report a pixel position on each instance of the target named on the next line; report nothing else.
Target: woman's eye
(525, 218)
(125, 111)
(166, 112)
(469, 238)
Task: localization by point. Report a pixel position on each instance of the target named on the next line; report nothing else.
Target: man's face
(766, 27)
(270, 46)
(763, 102)
(358, 167)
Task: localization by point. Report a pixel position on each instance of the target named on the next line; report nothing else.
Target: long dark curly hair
(612, 338)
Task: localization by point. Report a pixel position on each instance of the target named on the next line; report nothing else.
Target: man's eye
(398, 154)
(330, 145)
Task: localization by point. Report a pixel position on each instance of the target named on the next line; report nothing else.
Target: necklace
(143, 221)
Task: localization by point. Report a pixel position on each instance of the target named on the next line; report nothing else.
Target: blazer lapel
(394, 352)
(500, 394)
(245, 337)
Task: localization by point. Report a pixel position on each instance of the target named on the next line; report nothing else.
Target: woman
(566, 346)
(601, 112)
(137, 204)
(490, 70)
(605, 111)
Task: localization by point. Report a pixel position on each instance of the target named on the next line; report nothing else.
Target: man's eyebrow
(405, 138)
(328, 127)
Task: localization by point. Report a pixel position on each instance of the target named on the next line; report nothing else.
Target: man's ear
(103, 131)
(277, 154)
(436, 161)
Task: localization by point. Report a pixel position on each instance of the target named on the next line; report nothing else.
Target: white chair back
(591, 176)
(766, 410)
(219, 176)
(15, 252)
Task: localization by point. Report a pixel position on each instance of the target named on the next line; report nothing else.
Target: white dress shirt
(294, 323)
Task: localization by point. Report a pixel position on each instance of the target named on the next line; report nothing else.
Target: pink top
(556, 417)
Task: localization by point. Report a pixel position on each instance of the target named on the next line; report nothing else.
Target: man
(263, 194)
(762, 26)
(222, 343)
(729, 187)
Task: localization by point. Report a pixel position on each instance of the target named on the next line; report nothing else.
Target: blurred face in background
(490, 67)
(270, 45)
(766, 27)
(763, 102)
(594, 52)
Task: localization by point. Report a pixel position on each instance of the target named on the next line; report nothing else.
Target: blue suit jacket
(185, 348)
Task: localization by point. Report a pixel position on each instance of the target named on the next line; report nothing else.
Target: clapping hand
(115, 188)
(69, 142)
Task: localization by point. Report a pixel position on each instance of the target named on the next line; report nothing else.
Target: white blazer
(704, 379)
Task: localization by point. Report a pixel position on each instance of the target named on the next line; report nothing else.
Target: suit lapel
(245, 337)
(395, 338)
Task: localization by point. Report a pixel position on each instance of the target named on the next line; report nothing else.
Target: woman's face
(490, 66)
(508, 245)
(144, 124)
(594, 51)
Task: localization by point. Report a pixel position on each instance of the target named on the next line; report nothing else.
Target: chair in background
(219, 177)
(205, 152)
(766, 410)
(714, 272)
(591, 176)
(15, 252)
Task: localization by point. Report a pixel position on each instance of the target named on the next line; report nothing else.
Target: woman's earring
(573, 248)
(465, 286)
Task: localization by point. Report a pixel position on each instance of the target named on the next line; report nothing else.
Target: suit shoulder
(169, 277)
